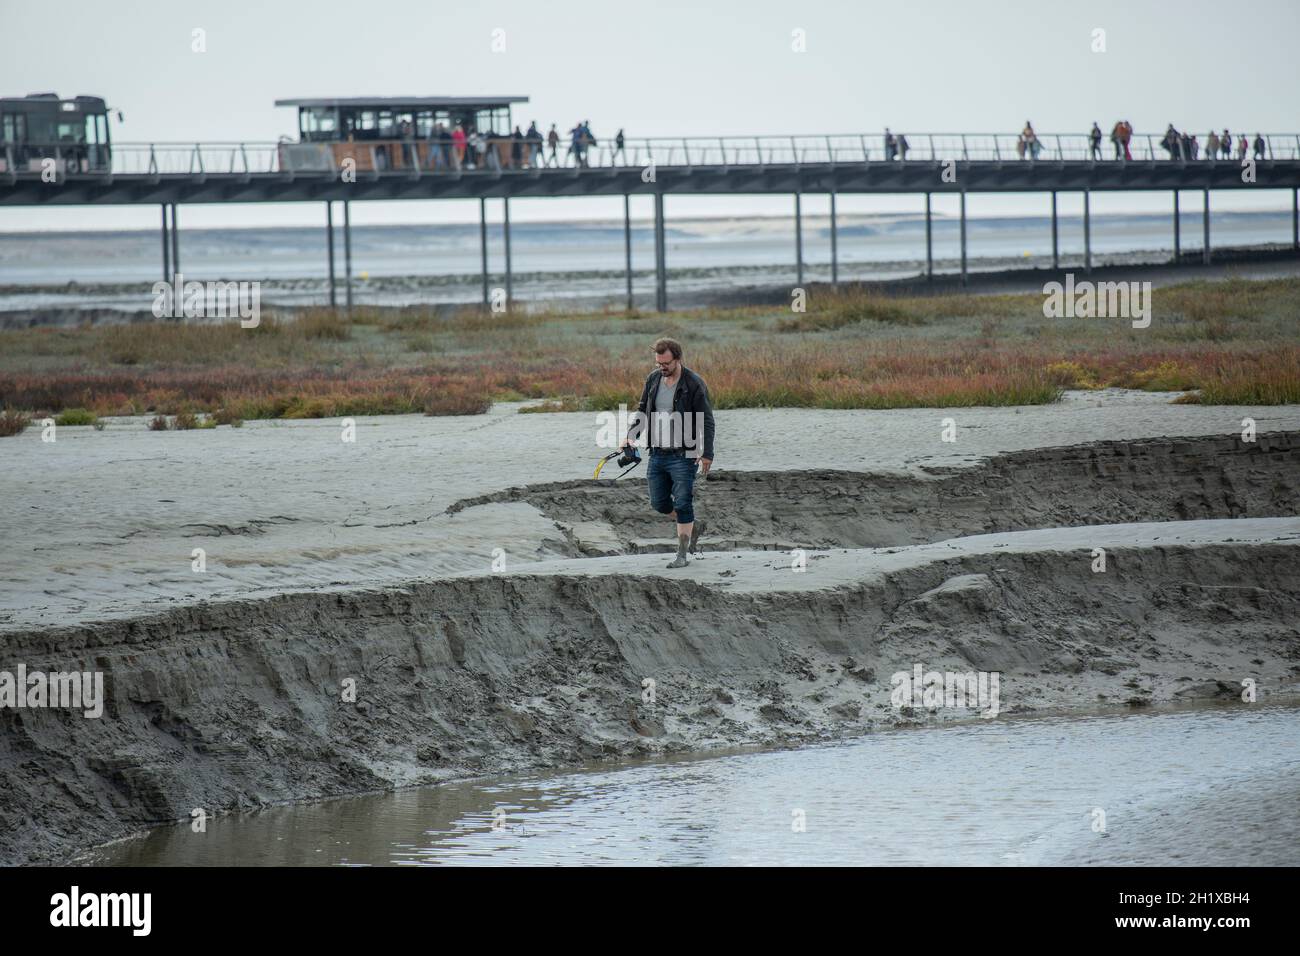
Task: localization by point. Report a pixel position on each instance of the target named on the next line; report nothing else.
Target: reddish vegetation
(249, 393)
(883, 376)
(1225, 343)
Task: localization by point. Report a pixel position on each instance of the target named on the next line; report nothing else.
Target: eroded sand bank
(371, 563)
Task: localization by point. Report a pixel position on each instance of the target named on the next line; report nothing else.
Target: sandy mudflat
(371, 564)
(102, 524)
(774, 572)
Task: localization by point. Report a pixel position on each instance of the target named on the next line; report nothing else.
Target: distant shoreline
(688, 288)
(810, 218)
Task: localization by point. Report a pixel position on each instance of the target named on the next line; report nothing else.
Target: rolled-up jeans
(672, 479)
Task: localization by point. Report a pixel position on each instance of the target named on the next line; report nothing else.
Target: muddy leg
(683, 542)
(697, 529)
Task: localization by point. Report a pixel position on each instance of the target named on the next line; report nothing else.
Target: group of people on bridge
(1181, 146)
(1178, 145)
(462, 146)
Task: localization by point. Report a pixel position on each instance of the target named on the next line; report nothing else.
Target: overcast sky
(656, 68)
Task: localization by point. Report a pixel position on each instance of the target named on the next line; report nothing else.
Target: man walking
(675, 405)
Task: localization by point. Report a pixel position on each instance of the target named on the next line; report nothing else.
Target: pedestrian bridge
(172, 174)
(935, 162)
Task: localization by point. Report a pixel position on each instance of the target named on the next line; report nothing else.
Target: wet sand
(105, 522)
(372, 563)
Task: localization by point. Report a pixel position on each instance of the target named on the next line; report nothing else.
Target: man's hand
(705, 464)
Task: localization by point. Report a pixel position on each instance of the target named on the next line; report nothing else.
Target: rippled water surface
(1204, 786)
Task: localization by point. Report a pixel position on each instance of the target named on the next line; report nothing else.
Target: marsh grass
(12, 423)
(76, 416)
(1220, 342)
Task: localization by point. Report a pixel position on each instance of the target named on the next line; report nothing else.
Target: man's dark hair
(669, 345)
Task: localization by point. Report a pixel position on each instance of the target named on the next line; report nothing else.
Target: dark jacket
(689, 398)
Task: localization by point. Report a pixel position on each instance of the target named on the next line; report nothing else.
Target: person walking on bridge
(575, 145)
(534, 137)
(1028, 145)
(1094, 141)
(459, 143)
(675, 407)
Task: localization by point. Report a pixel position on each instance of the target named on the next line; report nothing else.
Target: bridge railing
(423, 157)
(195, 158)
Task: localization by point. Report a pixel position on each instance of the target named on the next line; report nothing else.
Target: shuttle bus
(73, 133)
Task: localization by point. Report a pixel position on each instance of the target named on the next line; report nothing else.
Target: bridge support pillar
(1087, 231)
(798, 239)
(510, 280)
(929, 242)
(1205, 223)
(166, 248)
(627, 245)
(1295, 218)
(963, 237)
(329, 244)
(482, 242)
(176, 240)
(347, 255)
(835, 252)
(661, 268)
(1178, 231)
(1056, 246)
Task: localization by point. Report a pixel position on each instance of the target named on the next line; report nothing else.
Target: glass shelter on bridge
(401, 132)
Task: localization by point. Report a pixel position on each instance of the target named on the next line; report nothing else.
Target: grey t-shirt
(664, 431)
